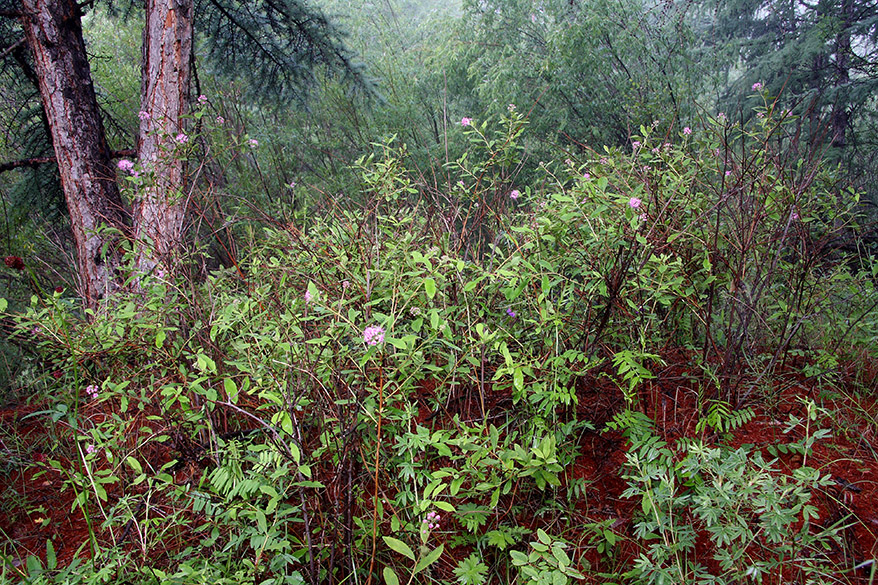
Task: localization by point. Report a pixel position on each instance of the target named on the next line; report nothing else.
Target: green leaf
(231, 390)
(390, 577)
(444, 506)
(159, 338)
(51, 560)
(34, 567)
(518, 379)
(518, 558)
(429, 559)
(286, 423)
(294, 451)
(430, 287)
(134, 464)
(397, 343)
(399, 546)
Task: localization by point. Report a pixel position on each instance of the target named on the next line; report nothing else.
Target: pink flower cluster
(125, 165)
(373, 335)
(466, 121)
(432, 520)
(181, 138)
(515, 194)
(634, 203)
(757, 86)
(92, 391)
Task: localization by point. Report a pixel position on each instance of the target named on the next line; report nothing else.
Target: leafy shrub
(364, 390)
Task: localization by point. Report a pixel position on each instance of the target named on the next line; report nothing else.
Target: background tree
(53, 30)
(283, 42)
(820, 57)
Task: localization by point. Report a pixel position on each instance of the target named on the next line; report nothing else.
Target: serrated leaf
(34, 567)
(51, 560)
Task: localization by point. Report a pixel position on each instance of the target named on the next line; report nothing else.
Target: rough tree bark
(159, 213)
(53, 29)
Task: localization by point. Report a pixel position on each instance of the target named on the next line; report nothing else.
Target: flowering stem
(377, 462)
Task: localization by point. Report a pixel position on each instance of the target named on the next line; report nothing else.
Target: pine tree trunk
(53, 29)
(159, 214)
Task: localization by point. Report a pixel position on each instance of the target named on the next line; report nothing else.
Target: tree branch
(12, 47)
(41, 160)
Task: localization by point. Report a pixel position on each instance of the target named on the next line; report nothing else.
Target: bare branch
(41, 160)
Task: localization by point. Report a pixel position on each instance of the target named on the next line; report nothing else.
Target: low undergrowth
(410, 390)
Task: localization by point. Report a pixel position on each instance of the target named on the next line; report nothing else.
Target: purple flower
(90, 449)
(253, 143)
(202, 98)
(431, 522)
(220, 120)
(373, 335)
(635, 145)
(515, 194)
(92, 391)
(634, 203)
(510, 312)
(586, 176)
(181, 138)
(144, 115)
(687, 130)
(466, 121)
(125, 165)
(756, 86)
(308, 296)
